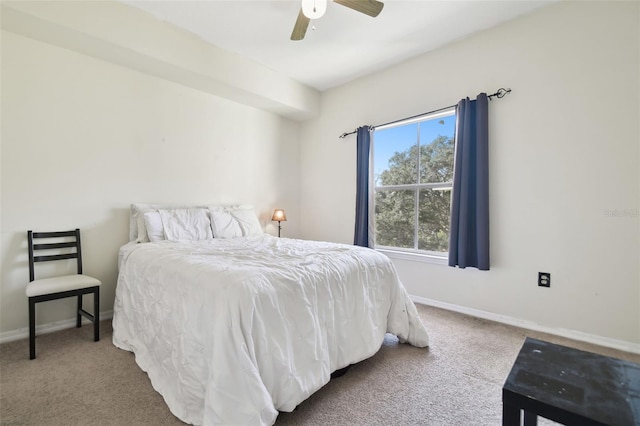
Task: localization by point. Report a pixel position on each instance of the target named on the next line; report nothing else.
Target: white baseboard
(23, 333)
(529, 325)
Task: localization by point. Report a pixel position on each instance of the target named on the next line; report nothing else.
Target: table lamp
(279, 216)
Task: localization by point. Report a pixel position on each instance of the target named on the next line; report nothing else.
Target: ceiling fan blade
(368, 7)
(300, 28)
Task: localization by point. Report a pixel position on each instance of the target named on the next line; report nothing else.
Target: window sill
(415, 257)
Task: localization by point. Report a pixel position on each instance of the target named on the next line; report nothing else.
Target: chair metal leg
(32, 329)
(96, 315)
(78, 316)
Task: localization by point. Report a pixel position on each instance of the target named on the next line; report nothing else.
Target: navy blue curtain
(361, 235)
(469, 231)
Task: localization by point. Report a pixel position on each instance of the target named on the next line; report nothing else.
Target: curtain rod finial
(501, 93)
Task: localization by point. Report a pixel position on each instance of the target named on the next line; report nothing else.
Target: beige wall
(83, 138)
(564, 157)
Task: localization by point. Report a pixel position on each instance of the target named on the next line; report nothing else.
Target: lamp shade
(314, 9)
(278, 215)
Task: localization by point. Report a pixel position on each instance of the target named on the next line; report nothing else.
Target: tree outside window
(413, 174)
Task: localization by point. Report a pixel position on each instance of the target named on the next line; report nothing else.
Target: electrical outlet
(544, 279)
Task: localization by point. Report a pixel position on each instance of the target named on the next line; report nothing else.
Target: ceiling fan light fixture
(314, 9)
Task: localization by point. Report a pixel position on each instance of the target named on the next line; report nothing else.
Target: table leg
(530, 419)
(510, 415)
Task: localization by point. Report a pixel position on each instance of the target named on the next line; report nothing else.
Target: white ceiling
(344, 44)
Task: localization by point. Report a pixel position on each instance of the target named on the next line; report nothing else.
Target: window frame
(412, 254)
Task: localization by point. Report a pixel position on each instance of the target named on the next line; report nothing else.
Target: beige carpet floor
(457, 381)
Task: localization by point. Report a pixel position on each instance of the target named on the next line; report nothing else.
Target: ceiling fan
(314, 9)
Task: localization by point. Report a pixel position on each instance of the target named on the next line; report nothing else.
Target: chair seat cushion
(60, 284)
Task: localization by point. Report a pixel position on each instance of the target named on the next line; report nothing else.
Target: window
(412, 178)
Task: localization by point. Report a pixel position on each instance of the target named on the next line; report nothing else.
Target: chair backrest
(56, 240)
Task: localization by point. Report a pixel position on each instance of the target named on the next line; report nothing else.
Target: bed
(233, 325)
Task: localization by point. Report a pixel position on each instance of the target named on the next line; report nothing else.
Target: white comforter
(233, 331)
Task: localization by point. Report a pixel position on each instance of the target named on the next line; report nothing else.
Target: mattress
(232, 331)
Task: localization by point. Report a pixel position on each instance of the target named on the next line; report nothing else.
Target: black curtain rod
(499, 94)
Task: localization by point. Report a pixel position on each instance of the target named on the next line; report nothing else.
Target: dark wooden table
(571, 387)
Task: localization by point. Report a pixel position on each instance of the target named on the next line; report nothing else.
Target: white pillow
(224, 225)
(248, 221)
(186, 224)
(153, 225)
(137, 230)
(142, 236)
